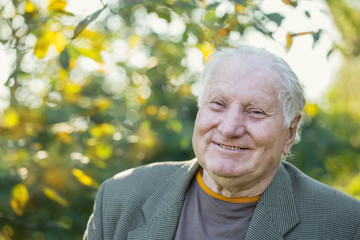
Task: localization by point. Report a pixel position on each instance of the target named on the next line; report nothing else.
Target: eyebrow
(219, 92)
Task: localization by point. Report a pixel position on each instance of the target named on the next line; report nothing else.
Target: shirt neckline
(210, 192)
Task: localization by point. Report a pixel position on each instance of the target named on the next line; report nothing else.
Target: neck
(236, 187)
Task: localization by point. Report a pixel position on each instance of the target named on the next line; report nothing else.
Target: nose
(232, 123)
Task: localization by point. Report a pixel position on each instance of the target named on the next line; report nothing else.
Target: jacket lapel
(274, 216)
(163, 208)
(275, 213)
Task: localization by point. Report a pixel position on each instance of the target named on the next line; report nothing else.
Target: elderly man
(237, 187)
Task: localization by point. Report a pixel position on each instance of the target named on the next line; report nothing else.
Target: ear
(291, 134)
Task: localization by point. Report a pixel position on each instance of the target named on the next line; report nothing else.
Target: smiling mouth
(229, 147)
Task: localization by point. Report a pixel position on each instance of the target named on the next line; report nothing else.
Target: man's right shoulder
(145, 178)
(153, 170)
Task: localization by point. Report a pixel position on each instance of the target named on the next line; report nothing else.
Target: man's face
(239, 126)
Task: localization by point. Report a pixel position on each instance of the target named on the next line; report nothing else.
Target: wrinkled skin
(239, 135)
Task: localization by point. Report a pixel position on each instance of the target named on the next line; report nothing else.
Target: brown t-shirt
(208, 215)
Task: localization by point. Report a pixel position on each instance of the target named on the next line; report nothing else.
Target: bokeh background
(90, 88)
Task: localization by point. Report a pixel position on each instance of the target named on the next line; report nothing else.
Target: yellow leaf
(288, 41)
(152, 62)
(223, 31)
(63, 74)
(290, 2)
(55, 177)
(92, 35)
(176, 126)
(91, 53)
(102, 130)
(141, 99)
(302, 34)
(56, 197)
(240, 8)
(134, 41)
(29, 7)
(353, 188)
(19, 198)
(42, 44)
(311, 109)
(151, 110)
(8, 231)
(147, 138)
(84, 179)
(59, 41)
(64, 137)
(72, 63)
(57, 5)
(103, 151)
(185, 90)
(72, 88)
(206, 49)
(163, 113)
(102, 103)
(49, 37)
(12, 119)
(101, 68)
(65, 222)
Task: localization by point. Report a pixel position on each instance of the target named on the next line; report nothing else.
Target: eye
(257, 113)
(216, 105)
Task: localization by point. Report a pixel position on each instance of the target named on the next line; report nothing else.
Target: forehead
(248, 74)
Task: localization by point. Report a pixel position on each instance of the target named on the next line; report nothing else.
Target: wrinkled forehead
(244, 64)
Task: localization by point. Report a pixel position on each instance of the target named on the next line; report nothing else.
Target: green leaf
(64, 58)
(307, 13)
(84, 23)
(275, 17)
(260, 28)
(241, 2)
(316, 36)
(330, 52)
(212, 6)
(164, 12)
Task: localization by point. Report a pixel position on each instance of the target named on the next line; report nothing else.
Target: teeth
(229, 147)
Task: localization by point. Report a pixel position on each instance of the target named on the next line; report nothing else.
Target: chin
(226, 170)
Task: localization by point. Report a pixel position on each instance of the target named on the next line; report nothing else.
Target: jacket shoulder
(121, 197)
(144, 178)
(324, 212)
(313, 195)
(307, 186)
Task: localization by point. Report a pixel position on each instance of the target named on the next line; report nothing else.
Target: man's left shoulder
(312, 191)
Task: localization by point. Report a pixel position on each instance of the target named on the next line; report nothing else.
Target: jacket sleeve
(94, 229)
(357, 233)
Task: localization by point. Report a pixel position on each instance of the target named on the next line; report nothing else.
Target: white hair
(291, 94)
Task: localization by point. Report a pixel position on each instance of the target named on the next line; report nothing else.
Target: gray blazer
(145, 203)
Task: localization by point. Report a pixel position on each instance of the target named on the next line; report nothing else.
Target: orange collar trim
(207, 190)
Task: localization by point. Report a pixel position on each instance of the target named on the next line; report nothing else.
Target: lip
(230, 147)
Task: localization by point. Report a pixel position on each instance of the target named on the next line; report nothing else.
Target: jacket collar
(274, 216)
(276, 213)
(163, 208)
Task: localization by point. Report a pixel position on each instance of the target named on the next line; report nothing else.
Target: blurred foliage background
(89, 97)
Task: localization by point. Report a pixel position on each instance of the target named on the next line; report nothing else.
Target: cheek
(203, 127)
(203, 122)
(269, 136)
